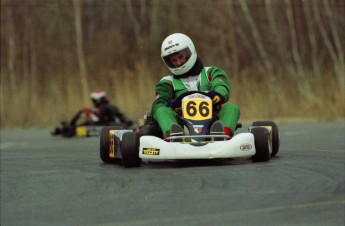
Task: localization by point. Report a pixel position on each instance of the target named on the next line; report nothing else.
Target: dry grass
(258, 95)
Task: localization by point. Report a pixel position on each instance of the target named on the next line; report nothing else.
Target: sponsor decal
(246, 147)
(169, 47)
(112, 143)
(150, 151)
(198, 130)
(197, 96)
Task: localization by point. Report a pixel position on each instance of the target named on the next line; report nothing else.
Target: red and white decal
(246, 147)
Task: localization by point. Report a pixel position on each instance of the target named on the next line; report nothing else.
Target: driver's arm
(220, 82)
(164, 93)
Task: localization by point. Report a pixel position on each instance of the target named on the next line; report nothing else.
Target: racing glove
(175, 104)
(216, 97)
(90, 115)
(87, 112)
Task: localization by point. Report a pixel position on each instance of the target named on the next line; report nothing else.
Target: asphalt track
(49, 180)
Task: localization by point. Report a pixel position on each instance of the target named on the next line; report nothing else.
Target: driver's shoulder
(167, 78)
(212, 68)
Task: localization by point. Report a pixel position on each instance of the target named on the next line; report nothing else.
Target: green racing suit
(210, 78)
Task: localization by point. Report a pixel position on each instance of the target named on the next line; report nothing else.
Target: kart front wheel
(261, 141)
(130, 150)
(275, 134)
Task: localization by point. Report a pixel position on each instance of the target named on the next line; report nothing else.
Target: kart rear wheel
(275, 135)
(261, 141)
(130, 150)
(104, 144)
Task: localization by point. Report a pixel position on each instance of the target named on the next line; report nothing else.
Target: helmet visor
(177, 59)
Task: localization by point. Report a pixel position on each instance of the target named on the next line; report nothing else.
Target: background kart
(85, 130)
(95, 130)
(146, 143)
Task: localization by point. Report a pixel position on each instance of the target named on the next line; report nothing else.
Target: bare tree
(339, 64)
(313, 43)
(231, 36)
(134, 20)
(256, 35)
(11, 49)
(80, 50)
(275, 31)
(154, 29)
(302, 82)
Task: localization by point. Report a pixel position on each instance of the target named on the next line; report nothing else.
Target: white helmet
(176, 43)
(98, 97)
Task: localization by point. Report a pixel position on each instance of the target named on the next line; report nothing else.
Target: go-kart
(95, 130)
(146, 142)
(66, 130)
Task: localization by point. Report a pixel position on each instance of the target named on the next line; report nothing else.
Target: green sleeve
(220, 82)
(164, 93)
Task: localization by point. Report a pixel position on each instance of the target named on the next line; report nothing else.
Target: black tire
(130, 150)
(275, 135)
(69, 131)
(104, 144)
(261, 141)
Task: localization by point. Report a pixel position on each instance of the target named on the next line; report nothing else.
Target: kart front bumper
(241, 145)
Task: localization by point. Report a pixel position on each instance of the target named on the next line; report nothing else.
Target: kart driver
(107, 113)
(103, 114)
(189, 74)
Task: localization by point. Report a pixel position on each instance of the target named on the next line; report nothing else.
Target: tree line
(58, 50)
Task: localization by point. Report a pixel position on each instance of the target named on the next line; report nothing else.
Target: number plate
(197, 109)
